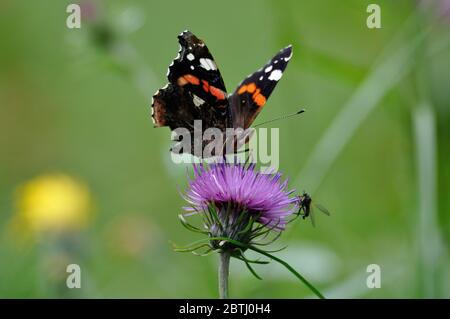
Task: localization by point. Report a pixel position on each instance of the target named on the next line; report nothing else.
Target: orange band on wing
(192, 79)
(251, 88)
(205, 85)
(188, 79)
(218, 93)
(242, 89)
(259, 99)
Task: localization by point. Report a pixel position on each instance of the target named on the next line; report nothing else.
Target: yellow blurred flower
(53, 203)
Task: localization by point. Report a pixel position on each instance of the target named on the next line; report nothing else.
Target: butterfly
(196, 91)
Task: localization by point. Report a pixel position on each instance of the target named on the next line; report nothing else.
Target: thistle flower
(235, 197)
(240, 208)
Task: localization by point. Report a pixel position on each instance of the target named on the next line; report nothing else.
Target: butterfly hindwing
(174, 107)
(251, 94)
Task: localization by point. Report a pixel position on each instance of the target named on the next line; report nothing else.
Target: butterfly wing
(251, 94)
(172, 106)
(195, 69)
(195, 90)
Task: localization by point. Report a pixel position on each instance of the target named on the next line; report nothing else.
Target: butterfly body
(196, 91)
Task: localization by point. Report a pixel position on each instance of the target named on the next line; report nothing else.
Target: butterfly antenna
(281, 118)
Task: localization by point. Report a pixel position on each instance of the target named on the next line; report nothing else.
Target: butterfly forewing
(195, 69)
(252, 93)
(195, 90)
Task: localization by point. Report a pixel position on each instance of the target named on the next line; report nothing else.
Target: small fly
(306, 207)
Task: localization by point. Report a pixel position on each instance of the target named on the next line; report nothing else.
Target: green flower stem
(262, 252)
(224, 270)
(285, 264)
(292, 270)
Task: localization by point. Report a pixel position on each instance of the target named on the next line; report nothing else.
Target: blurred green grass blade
(429, 236)
(393, 66)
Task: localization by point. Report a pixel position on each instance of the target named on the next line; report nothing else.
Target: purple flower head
(240, 196)
(244, 187)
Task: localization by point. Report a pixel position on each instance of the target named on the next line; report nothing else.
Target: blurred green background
(373, 146)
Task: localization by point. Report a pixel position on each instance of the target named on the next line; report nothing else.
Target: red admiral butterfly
(196, 90)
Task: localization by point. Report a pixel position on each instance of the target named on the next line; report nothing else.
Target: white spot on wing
(268, 69)
(190, 57)
(192, 67)
(197, 101)
(275, 75)
(208, 64)
(261, 78)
